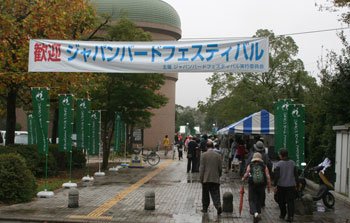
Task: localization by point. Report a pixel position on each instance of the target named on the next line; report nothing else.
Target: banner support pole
(88, 178)
(46, 157)
(99, 173)
(70, 166)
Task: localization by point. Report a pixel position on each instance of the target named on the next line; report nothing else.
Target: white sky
(242, 18)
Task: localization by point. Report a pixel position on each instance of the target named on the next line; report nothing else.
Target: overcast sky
(242, 18)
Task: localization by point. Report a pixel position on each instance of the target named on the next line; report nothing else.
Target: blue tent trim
(261, 122)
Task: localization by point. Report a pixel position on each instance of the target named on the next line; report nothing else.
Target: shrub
(56, 160)
(63, 158)
(34, 160)
(17, 183)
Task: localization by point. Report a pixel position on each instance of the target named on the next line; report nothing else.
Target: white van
(21, 138)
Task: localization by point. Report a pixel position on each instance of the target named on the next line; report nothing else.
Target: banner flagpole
(125, 138)
(65, 131)
(117, 136)
(99, 173)
(41, 119)
(46, 158)
(88, 144)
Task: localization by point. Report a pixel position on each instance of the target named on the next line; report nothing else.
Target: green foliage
(17, 183)
(236, 95)
(133, 95)
(63, 158)
(329, 104)
(125, 30)
(34, 160)
(22, 20)
(194, 117)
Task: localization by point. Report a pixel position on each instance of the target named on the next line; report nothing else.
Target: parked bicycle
(151, 157)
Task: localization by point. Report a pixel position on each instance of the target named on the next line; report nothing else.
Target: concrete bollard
(308, 204)
(73, 198)
(150, 203)
(227, 202)
(304, 205)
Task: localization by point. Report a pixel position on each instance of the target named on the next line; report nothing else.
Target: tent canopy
(261, 122)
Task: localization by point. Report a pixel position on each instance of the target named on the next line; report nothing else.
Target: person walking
(166, 145)
(187, 140)
(191, 153)
(180, 146)
(260, 148)
(259, 177)
(210, 172)
(180, 150)
(285, 180)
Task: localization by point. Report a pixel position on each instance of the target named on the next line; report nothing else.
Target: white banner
(221, 55)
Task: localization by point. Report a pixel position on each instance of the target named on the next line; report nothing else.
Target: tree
(335, 6)
(21, 20)
(194, 117)
(236, 95)
(330, 104)
(133, 95)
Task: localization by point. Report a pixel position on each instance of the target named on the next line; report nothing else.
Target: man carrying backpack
(258, 175)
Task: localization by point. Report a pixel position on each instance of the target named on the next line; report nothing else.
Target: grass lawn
(54, 183)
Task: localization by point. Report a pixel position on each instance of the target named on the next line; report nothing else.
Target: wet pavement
(120, 197)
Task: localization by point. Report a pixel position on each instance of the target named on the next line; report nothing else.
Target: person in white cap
(259, 177)
(260, 148)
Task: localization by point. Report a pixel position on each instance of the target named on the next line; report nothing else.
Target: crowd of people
(209, 156)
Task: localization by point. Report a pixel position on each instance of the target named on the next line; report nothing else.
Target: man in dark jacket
(191, 155)
(286, 178)
(209, 175)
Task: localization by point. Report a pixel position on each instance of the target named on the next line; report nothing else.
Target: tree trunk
(54, 134)
(11, 117)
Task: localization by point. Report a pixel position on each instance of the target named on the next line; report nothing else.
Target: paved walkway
(119, 197)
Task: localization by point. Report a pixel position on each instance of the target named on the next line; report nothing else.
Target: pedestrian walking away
(260, 148)
(285, 180)
(258, 177)
(191, 153)
(209, 175)
(180, 150)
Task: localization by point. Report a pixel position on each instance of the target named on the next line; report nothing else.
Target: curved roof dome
(154, 11)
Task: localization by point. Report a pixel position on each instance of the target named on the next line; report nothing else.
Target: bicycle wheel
(153, 159)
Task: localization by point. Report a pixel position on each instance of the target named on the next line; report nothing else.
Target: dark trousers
(255, 197)
(230, 163)
(285, 197)
(263, 197)
(180, 155)
(191, 164)
(214, 190)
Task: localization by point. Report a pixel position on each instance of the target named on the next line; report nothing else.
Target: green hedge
(57, 161)
(17, 183)
(34, 160)
(63, 158)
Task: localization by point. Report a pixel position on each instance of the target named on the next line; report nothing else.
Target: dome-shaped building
(163, 22)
